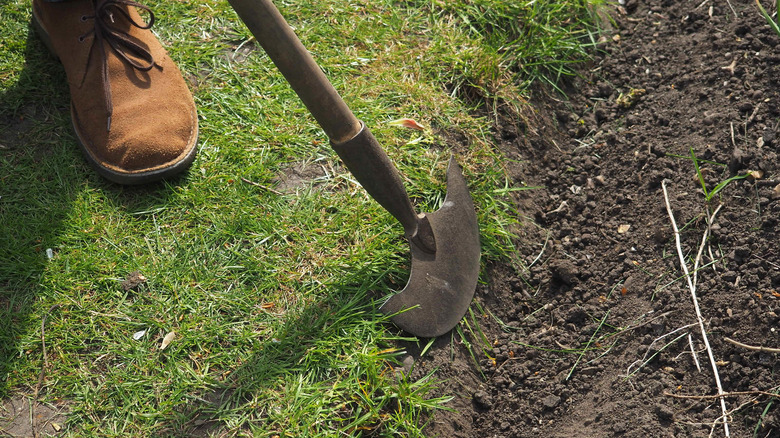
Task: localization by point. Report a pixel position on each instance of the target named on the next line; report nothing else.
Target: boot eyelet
(81, 39)
(83, 18)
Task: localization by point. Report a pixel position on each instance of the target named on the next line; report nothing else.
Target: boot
(133, 114)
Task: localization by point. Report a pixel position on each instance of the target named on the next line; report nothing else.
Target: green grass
(273, 297)
(773, 23)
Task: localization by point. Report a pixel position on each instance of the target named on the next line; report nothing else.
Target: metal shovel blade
(441, 285)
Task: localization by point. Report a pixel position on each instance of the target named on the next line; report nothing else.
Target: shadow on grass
(36, 191)
(43, 176)
(305, 345)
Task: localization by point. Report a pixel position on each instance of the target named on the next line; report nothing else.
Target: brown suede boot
(132, 111)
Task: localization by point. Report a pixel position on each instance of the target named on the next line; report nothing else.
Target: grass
(515, 43)
(709, 194)
(773, 24)
(273, 297)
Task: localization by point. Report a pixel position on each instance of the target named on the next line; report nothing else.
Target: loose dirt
(18, 418)
(592, 332)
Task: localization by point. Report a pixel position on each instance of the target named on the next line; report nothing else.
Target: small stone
(551, 401)
(408, 362)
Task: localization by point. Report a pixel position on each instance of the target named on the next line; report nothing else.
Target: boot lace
(107, 30)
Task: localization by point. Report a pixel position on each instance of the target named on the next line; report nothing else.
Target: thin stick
(693, 352)
(733, 142)
(34, 401)
(771, 263)
(692, 287)
(643, 362)
(725, 394)
(712, 257)
(752, 347)
(737, 409)
(275, 192)
(646, 322)
(546, 239)
(732, 9)
(704, 237)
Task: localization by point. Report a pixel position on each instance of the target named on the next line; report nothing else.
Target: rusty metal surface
(441, 285)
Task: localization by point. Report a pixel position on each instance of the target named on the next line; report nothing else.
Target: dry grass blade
(692, 287)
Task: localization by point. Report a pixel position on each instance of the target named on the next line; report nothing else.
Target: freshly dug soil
(591, 333)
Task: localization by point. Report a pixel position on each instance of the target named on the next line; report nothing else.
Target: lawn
(266, 260)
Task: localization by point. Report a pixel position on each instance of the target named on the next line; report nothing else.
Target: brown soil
(704, 76)
(18, 418)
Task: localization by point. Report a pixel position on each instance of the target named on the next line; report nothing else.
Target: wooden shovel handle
(354, 143)
(299, 68)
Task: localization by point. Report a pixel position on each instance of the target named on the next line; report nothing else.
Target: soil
(19, 419)
(592, 332)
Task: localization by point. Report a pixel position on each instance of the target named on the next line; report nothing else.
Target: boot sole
(125, 178)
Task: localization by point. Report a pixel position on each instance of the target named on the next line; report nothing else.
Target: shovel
(444, 244)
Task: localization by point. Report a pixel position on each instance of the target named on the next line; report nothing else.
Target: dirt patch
(302, 175)
(594, 335)
(18, 420)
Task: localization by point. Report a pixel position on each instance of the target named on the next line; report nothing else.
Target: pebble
(551, 401)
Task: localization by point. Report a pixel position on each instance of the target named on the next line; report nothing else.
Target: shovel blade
(441, 285)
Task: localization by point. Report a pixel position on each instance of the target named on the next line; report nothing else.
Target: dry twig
(693, 352)
(45, 365)
(725, 394)
(752, 347)
(704, 237)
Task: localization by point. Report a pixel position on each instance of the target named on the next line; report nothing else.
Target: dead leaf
(629, 99)
(755, 174)
(139, 334)
(407, 123)
(167, 340)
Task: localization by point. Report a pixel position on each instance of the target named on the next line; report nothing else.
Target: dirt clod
(133, 281)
